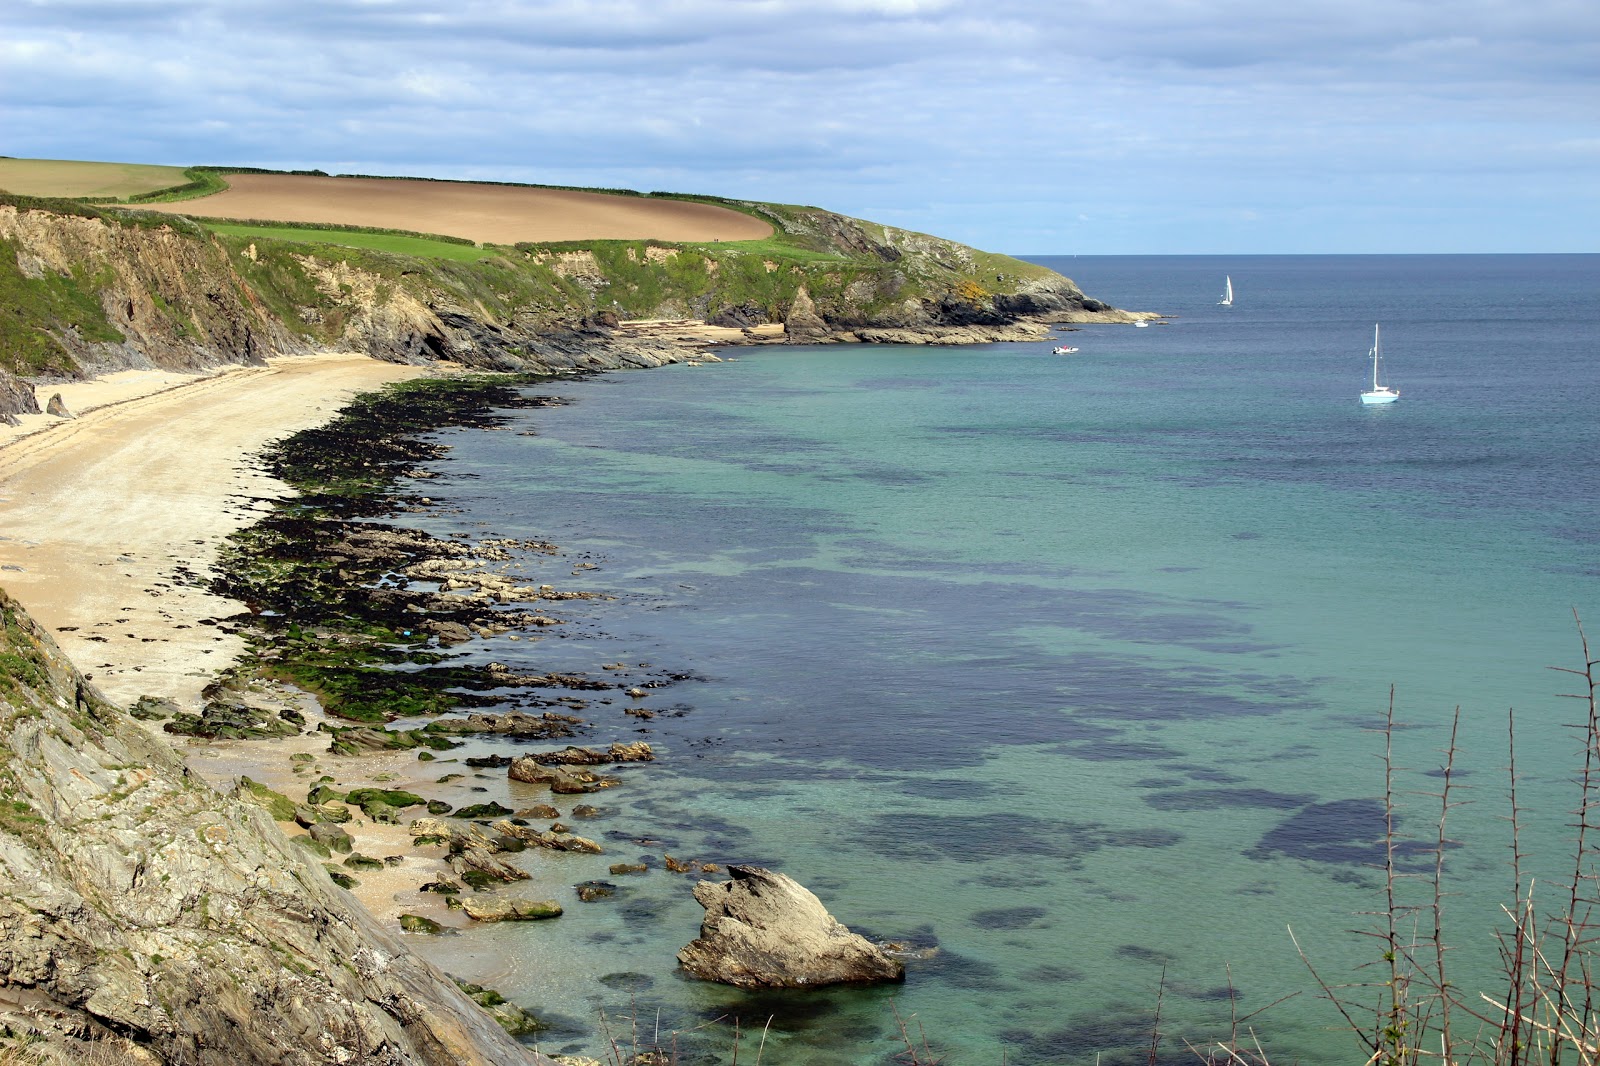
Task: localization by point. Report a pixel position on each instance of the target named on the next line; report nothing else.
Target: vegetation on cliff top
(318, 286)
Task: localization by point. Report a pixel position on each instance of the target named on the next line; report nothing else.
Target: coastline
(114, 522)
(152, 475)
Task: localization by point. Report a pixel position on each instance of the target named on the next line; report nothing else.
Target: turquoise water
(1068, 667)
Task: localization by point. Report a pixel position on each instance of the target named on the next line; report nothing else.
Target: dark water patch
(988, 837)
(946, 788)
(962, 971)
(1341, 833)
(1007, 917)
(628, 981)
(1139, 953)
(1052, 974)
(1115, 1037)
(1204, 774)
(1246, 535)
(1205, 799)
(1119, 751)
(1008, 881)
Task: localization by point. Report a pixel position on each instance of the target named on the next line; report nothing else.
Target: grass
(34, 310)
(419, 247)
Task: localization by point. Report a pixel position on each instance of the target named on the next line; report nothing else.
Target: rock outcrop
(765, 930)
(140, 906)
(16, 398)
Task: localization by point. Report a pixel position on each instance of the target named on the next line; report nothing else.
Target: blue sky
(1023, 126)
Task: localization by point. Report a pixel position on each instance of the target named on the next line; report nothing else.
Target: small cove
(1066, 666)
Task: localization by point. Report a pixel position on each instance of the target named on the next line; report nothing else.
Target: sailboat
(1379, 393)
(1227, 292)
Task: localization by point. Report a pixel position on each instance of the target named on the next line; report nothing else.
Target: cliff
(87, 290)
(143, 911)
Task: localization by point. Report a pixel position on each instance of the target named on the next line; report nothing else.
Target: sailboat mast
(1374, 357)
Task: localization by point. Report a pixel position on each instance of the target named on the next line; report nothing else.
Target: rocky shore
(279, 624)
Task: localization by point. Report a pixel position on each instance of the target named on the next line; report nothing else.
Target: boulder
(765, 930)
(58, 407)
(509, 910)
(803, 324)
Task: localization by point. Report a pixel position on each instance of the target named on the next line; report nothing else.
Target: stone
(58, 407)
(277, 804)
(803, 324)
(765, 930)
(416, 923)
(331, 835)
(509, 910)
(619, 868)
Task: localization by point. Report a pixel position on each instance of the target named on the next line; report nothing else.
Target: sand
(497, 214)
(110, 521)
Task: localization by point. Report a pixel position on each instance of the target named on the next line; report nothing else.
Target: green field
(70, 178)
(421, 247)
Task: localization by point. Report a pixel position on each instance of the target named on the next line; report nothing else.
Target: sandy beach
(109, 524)
(109, 521)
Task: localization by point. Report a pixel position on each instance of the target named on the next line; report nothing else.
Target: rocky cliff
(141, 910)
(87, 290)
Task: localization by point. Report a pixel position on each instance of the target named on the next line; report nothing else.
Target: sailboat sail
(1227, 292)
(1379, 393)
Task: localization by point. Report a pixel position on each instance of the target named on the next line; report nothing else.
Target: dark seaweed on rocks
(325, 610)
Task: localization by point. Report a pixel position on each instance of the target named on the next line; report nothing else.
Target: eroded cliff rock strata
(139, 906)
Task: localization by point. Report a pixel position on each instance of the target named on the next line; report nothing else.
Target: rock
(416, 923)
(58, 407)
(382, 804)
(765, 930)
(482, 810)
(358, 861)
(803, 324)
(277, 804)
(618, 868)
(563, 780)
(590, 891)
(335, 838)
(153, 708)
(509, 910)
(638, 751)
(512, 1018)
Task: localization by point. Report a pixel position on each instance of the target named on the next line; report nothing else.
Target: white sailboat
(1379, 393)
(1227, 292)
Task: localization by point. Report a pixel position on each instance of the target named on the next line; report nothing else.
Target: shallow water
(1068, 665)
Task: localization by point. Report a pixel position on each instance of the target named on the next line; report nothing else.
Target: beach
(112, 519)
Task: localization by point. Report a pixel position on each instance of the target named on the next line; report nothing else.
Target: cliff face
(87, 290)
(139, 906)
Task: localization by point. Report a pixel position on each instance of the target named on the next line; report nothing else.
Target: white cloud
(1115, 110)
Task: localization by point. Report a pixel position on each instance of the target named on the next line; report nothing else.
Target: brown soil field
(495, 214)
(65, 177)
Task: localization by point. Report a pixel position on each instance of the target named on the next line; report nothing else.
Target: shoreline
(112, 519)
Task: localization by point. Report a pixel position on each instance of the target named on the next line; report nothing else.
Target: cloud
(954, 116)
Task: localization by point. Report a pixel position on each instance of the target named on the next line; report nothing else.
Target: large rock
(803, 324)
(127, 886)
(765, 930)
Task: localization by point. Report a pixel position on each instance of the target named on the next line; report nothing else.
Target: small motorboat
(1062, 349)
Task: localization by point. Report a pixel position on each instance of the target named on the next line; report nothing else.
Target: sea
(1070, 674)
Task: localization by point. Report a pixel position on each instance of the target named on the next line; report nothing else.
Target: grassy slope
(855, 271)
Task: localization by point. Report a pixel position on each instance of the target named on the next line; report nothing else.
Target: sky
(1020, 126)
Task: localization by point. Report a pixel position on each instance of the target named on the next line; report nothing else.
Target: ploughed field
(67, 177)
(497, 214)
